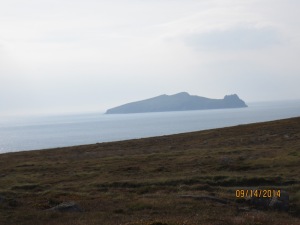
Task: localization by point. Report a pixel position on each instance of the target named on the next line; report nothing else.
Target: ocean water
(30, 133)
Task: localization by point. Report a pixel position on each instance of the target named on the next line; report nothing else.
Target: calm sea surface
(17, 134)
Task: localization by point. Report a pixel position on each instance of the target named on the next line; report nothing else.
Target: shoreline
(145, 138)
(65, 131)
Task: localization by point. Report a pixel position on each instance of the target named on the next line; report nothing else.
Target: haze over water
(32, 133)
(86, 55)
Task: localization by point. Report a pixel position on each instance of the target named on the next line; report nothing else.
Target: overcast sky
(60, 56)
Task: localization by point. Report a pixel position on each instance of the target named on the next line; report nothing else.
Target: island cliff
(178, 102)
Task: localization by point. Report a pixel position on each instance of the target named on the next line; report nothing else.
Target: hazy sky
(60, 56)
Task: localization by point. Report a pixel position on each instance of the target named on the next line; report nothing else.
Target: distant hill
(178, 102)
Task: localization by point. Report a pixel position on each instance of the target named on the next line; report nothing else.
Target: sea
(45, 132)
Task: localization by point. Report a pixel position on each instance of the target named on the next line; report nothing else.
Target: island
(182, 101)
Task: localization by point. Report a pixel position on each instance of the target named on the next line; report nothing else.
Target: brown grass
(140, 181)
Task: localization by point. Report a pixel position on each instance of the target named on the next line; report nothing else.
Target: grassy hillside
(142, 181)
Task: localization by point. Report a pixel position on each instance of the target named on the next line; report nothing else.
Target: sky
(68, 56)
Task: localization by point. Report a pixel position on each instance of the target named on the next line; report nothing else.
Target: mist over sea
(31, 133)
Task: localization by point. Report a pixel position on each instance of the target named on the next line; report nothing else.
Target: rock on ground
(67, 207)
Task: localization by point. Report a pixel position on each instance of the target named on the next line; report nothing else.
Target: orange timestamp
(257, 193)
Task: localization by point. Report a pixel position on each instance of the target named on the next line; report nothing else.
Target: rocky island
(178, 102)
